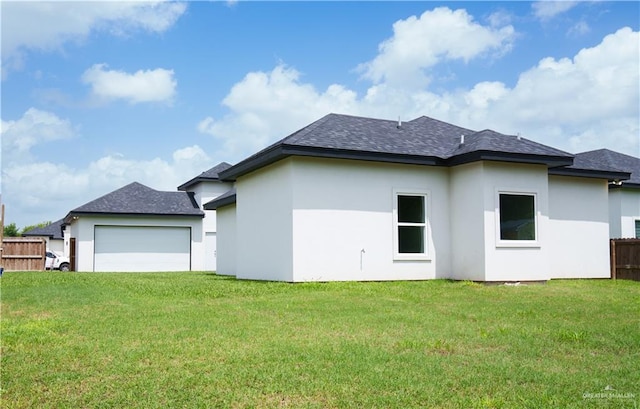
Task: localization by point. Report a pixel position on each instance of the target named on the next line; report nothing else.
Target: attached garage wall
(150, 248)
(133, 239)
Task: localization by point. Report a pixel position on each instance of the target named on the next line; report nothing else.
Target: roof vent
(461, 139)
(399, 123)
(518, 136)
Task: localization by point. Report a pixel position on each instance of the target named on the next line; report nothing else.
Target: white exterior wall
(227, 242)
(264, 223)
(615, 213)
(624, 206)
(56, 245)
(204, 192)
(83, 230)
(343, 222)
(515, 261)
(467, 222)
(579, 233)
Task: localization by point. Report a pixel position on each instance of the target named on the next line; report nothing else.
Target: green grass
(187, 340)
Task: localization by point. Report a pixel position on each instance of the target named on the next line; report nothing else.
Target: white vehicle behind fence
(55, 261)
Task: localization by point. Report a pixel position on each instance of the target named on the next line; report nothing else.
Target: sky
(96, 95)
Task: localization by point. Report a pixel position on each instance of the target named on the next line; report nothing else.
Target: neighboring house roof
(222, 200)
(628, 166)
(211, 175)
(136, 199)
(53, 231)
(424, 141)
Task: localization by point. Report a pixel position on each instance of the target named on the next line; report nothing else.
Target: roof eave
(626, 185)
(199, 179)
(75, 214)
(282, 151)
(590, 173)
(49, 235)
(215, 204)
(550, 161)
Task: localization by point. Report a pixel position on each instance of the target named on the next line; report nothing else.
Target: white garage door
(126, 248)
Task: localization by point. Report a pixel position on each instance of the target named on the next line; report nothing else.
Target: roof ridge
(303, 131)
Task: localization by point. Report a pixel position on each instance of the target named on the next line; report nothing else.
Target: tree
(11, 230)
(35, 226)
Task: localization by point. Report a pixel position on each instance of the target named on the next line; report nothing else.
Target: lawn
(188, 340)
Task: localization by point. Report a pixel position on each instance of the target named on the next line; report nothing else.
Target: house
(136, 228)
(624, 195)
(352, 198)
(53, 235)
(206, 187)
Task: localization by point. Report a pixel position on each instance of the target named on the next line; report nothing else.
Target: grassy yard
(187, 340)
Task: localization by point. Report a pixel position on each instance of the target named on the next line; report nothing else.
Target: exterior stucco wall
(515, 261)
(56, 245)
(203, 193)
(83, 229)
(343, 221)
(227, 242)
(467, 222)
(264, 223)
(579, 233)
(624, 206)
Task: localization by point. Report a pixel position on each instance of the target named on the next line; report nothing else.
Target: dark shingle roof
(605, 159)
(423, 140)
(211, 175)
(53, 231)
(138, 199)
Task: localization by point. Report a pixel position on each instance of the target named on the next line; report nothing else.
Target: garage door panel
(128, 248)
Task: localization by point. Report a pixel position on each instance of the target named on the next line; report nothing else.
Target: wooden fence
(23, 253)
(625, 259)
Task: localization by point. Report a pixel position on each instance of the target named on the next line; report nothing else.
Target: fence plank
(625, 259)
(23, 253)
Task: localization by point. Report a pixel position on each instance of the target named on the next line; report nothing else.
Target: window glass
(411, 209)
(517, 217)
(410, 239)
(411, 224)
(637, 229)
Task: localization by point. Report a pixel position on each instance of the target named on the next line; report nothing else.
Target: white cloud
(34, 127)
(35, 191)
(46, 26)
(156, 85)
(274, 103)
(548, 9)
(579, 29)
(499, 18)
(419, 43)
(585, 102)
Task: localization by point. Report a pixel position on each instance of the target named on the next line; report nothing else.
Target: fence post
(612, 255)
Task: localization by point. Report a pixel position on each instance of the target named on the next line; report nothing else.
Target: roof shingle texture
(53, 230)
(211, 175)
(136, 198)
(422, 136)
(605, 159)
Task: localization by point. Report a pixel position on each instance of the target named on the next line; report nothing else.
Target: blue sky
(96, 95)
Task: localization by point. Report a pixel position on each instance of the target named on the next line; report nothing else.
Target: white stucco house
(351, 198)
(137, 228)
(624, 195)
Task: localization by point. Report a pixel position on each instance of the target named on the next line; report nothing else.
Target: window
(410, 225)
(637, 229)
(517, 217)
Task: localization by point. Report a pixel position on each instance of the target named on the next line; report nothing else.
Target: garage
(142, 248)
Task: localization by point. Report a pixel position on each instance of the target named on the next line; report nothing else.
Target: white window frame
(426, 194)
(536, 219)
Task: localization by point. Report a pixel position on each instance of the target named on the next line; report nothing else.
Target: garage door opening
(142, 248)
